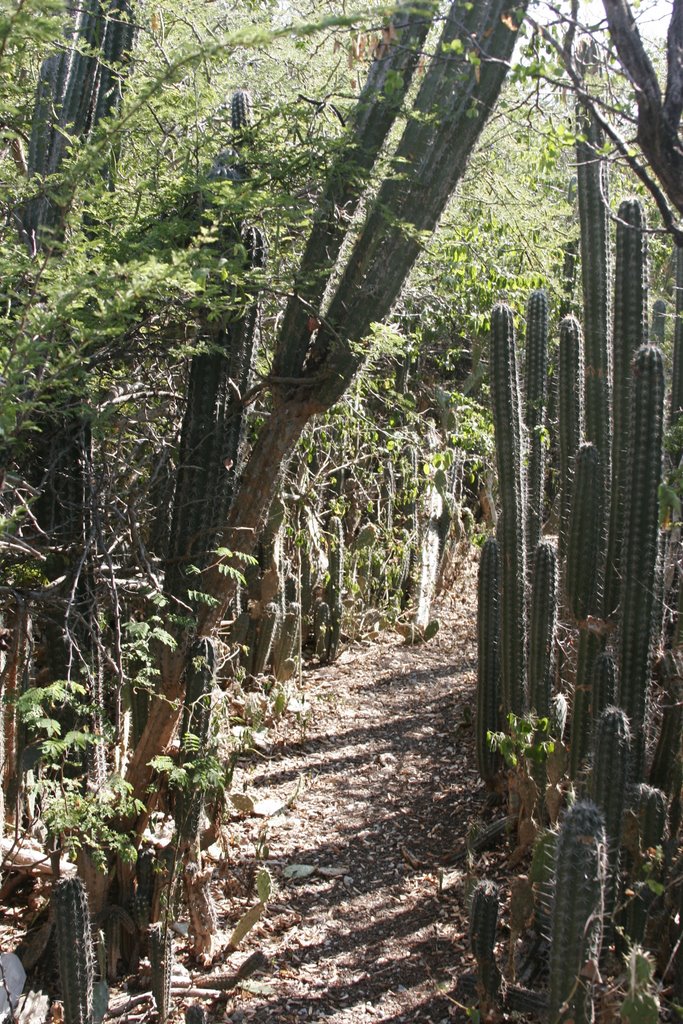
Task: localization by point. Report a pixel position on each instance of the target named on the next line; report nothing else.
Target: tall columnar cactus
(570, 417)
(213, 424)
(286, 646)
(534, 409)
(629, 333)
(77, 88)
(483, 922)
(668, 755)
(509, 455)
(161, 962)
(74, 950)
(676, 407)
(658, 329)
(593, 215)
(335, 585)
(584, 545)
(649, 806)
(199, 679)
(608, 788)
(268, 626)
(542, 628)
(584, 534)
(488, 662)
(576, 917)
(639, 556)
(604, 689)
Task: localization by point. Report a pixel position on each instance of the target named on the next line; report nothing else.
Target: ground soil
(384, 772)
(375, 782)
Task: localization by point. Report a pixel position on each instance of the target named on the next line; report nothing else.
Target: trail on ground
(378, 779)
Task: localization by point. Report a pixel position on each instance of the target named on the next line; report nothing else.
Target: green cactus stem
(335, 586)
(286, 647)
(639, 557)
(630, 332)
(608, 788)
(488, 661)
(74, 950)
(604, 690)
(509, 455)
(483, 923)
(321, 629)
(570, 418)
(668, 753)
(581, 581)
(577, 911)
(676, 407)
(161, 962)
(593, 215)
(658, 329)
(534, 414)
(542, 628)
(583, 544)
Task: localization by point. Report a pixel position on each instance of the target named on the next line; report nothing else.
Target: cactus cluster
(74, 950)
(608, 591)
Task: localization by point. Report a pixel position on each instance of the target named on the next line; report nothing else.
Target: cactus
(570, 418)
(241, 112)
(267, 629)
(286, 647)
(630, 332)
(483, 921)
(74, 950)
(161, 962)
(213, 423)
(641, 529)
(584, 538)
(593, 215)
(534, 409)
(669, 750)
(488, 663)
(335, 586)
(576, 917)
(321, 629)
(144, 889)
(604, 688)
(542, 628)
(609, 782)
(76, 89)
(199, 679)
(676, 407)
(507, 423)
(581, 581)
(658, 329)
(649, 806)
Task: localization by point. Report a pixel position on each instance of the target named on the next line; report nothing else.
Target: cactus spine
(609, 783)
(639, 559)
(483, 922)
(542, 628)
(584, 544)
(212, 427)
(593, 215)
(507, 423)
(534, 409)
(74, 950)
(630, 332)
(658, 330)
(604, 690)
(677, 373)
(576, 918)
(161, 962)
(570, 417)
(488, 663)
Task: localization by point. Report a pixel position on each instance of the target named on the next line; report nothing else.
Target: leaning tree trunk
(319, 350)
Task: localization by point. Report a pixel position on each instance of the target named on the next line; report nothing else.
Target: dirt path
(387, 788)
